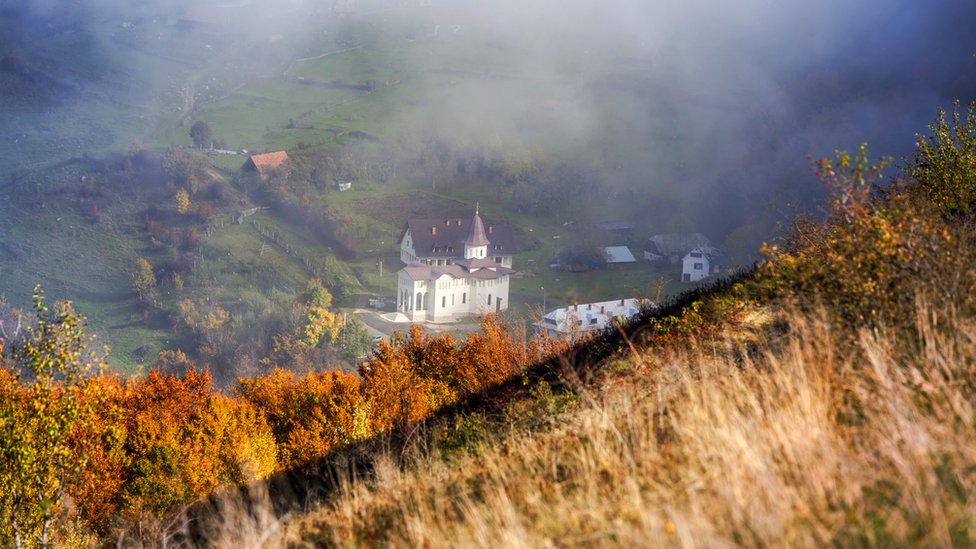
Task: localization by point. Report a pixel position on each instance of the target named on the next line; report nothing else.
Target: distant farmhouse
(264, 164)
(454, 267)
(577, 320)
(698, 257)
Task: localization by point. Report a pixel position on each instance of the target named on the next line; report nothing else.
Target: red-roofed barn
(263, 164)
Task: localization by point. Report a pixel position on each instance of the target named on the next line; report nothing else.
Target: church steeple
(476, 244)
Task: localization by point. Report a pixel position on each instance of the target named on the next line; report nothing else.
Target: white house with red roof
(446, 277)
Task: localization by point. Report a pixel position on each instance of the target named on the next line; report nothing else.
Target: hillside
(700, 446)
(825, 397)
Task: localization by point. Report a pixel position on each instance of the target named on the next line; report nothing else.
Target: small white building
(696, 265)
(577, 320)
(442, 288)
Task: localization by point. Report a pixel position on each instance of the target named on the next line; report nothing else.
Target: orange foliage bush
(99, 484)
(393, 392)
(160, 441)
(416, 373)
(183, 440)
(307, 415)
(157, 442)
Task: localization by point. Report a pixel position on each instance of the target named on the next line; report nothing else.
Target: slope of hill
(811, 442)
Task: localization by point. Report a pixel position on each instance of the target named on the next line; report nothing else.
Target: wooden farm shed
(264, 163)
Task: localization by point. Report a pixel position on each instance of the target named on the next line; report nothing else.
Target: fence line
(275, 238)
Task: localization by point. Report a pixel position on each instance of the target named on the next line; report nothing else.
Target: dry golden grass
(822, 441)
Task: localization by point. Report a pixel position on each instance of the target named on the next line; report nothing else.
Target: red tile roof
(264, 162)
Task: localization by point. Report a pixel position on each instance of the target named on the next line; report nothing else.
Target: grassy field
(45, 242)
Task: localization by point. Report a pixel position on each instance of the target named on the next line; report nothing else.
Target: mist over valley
(671, 118)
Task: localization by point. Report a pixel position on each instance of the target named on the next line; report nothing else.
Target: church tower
(476, 244)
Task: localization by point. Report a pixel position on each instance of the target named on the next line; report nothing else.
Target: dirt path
(188, 92)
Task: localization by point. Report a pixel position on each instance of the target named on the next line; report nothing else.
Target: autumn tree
(311, 333)
(318, 324)
(308, 415)
(187, 167)
(392, 392)
(97, 487)
(40, 406)
(208, 321)
(182, 201)
(143, 278)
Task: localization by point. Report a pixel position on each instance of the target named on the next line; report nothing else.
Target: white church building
(455, 267)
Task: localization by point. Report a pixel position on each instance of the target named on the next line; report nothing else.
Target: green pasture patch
(74, 259)
(367, 270)
(238, 257)
(396, 207)
(352, 67)
(229, 162)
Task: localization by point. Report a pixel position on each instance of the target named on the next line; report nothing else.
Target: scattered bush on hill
(865, 261)
(944, 167)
